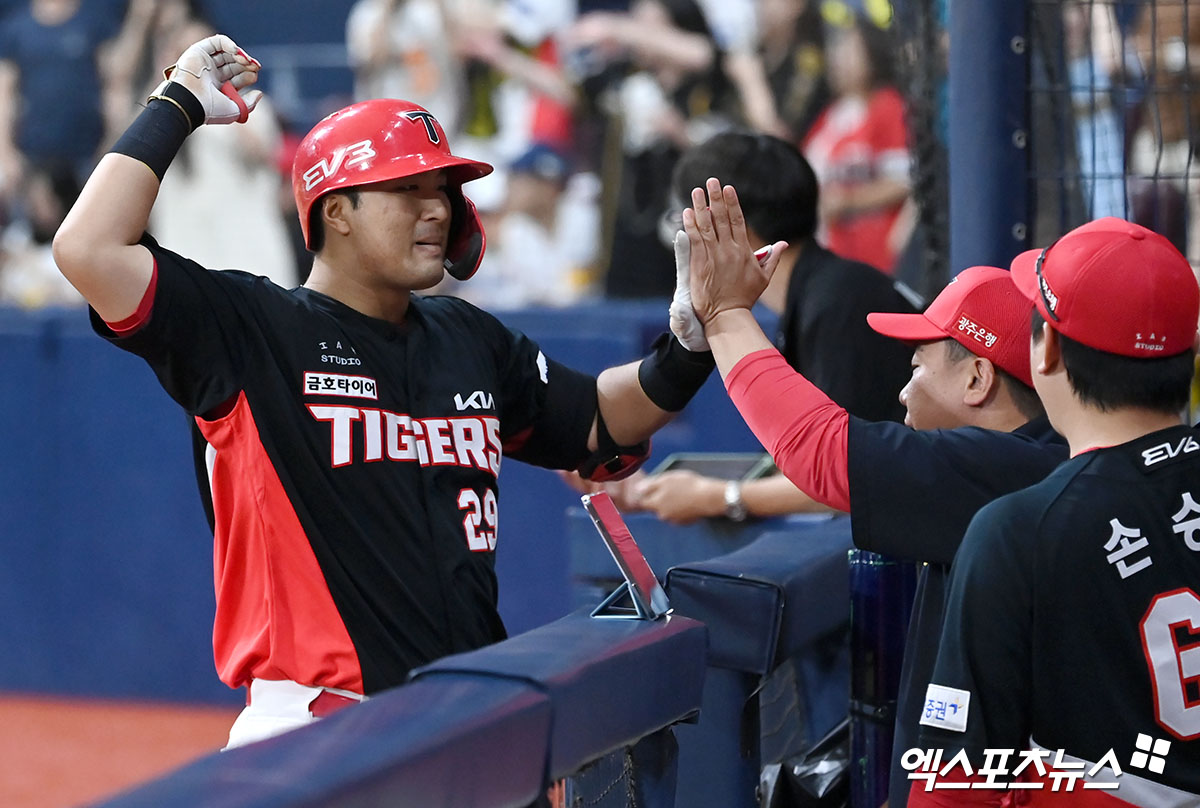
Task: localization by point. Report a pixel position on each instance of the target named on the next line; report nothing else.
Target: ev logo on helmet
(357, 153)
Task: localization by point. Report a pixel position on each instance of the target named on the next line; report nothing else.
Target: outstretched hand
(218, 73)
(725, 271)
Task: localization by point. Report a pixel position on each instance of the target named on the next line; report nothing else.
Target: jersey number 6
(1171, 641)
(480, 521)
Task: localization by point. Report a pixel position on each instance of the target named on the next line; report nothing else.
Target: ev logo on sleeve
(946, 708)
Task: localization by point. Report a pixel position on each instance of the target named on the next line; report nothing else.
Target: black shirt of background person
(824, 335)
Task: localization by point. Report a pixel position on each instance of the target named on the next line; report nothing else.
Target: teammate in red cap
(350, 433)
(1073, 624)
(978, 430)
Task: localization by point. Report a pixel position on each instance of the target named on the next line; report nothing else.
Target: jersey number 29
(480, 520)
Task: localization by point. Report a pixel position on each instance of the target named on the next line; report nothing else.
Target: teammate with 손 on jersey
(351, 432)
(1073, 620)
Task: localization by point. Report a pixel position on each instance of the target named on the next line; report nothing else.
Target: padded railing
(763, 604)
(486, 729)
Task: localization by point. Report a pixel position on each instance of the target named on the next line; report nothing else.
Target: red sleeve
(133, 322)
(802, 428)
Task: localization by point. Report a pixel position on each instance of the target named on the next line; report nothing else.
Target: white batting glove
(684, 324)
(218, 73)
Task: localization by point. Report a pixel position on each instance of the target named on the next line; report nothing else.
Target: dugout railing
(488, 729)
(597, 702)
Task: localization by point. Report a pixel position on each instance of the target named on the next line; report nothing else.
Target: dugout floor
(61, 753)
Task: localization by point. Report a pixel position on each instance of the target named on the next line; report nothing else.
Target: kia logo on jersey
(478, 400)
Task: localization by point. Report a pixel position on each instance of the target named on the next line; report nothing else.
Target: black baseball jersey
(1074, 618)
(352, 465)
(922, 514)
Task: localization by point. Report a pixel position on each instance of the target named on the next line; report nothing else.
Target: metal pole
(989, 132)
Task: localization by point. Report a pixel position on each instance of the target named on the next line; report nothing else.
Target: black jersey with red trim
(352, 465)
(1074, 618)
(921, 515)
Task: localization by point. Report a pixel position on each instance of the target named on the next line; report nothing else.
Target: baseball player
(1073, 624)
(351, 431)
(977, 428)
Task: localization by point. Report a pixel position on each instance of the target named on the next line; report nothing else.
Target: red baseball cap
(981, 309)
(1114, 286)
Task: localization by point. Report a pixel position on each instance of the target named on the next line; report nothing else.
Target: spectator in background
(658, 76)
(53, 86)
(793, 57)
(1165, 39)
(28, 275)
(859, 149)
(543, 244)
(518, 90)
(736, 32)
(1094, 45)
(404, 49)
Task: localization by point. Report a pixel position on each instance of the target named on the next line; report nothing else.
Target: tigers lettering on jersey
(467, 441)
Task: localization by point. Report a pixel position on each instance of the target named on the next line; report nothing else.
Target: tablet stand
(609, 610)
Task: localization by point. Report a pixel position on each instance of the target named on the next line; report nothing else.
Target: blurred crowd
(584, 107)
(1130, 68)
(584, 110)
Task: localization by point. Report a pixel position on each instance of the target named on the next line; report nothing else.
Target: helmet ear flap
(467, 241)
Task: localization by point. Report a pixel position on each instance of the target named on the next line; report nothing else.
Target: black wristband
(175, 93)
(158, 132)
(671, 374)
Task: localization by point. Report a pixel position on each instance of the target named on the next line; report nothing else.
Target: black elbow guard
(671, 374)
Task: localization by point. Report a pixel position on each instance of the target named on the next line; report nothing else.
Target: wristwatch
(735, 508)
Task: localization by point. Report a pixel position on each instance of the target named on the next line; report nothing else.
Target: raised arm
(726, 280)
(97, 247)
(805, 432)
(638, 398)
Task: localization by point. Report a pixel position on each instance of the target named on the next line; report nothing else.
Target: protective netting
(1114, 111)
(919, 27)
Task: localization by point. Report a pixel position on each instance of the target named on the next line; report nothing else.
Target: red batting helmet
(386, 139)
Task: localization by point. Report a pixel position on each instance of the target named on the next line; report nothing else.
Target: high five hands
(725, 272)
